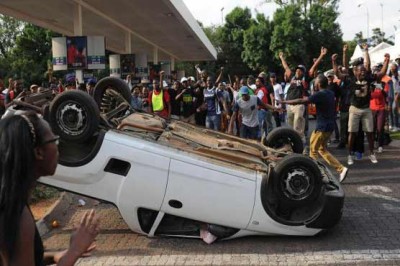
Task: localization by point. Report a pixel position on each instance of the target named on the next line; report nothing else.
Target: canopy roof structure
(162, 29)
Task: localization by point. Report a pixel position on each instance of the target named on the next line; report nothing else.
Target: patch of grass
(44, 192)
(395, 135)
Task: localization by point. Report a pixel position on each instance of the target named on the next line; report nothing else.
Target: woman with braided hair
(28, 150)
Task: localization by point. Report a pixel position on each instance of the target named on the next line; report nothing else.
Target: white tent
(378, 52)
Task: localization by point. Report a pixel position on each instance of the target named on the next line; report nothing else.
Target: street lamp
(367, 18)
(222, 16)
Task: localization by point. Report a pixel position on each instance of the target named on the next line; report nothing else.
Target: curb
(58, 208)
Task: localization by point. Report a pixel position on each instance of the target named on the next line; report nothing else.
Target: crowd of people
(366, 98)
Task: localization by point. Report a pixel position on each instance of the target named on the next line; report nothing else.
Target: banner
(59, 51)
(76, 52)
(96, 53)
(127, 65)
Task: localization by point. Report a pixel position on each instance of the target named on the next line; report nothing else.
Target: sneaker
(380, 150)
(373, 159)
(350, 160)
(358, 155)
(343, 174)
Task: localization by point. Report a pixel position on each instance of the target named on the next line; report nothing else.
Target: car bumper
(332, 208)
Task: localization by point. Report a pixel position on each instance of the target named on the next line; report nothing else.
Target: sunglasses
(56, 140)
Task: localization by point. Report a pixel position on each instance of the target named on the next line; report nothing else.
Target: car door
(210, 193)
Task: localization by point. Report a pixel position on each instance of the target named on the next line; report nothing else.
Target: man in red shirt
(159, 100)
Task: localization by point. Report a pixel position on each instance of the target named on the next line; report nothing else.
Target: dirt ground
(41, 207)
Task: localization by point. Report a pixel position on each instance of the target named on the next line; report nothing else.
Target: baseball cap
(192, 79)
(244, 90)
(145, 80)
(184, 79)
(301, 67)
(92, 82)
(329, 73)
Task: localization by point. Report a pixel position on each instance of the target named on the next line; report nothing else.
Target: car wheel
(107, 101)
(297, 180)
(74, 116)
(281, 136)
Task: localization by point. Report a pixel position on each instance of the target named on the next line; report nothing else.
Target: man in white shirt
(278, 96)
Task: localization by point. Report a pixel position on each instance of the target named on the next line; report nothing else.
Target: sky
(352, 19)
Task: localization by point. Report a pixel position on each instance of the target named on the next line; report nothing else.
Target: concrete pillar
(172, 63)
(141, 63)
(78, 31)
(128, 43)
(155, 55)
(115, 65)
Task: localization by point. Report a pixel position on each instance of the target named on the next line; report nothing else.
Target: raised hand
(387, 57)
(334, 57)
(324, 51)
(281, 55)
(364, 46)
(82, 239)
(345, 47)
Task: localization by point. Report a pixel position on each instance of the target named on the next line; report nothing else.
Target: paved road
(368, 234)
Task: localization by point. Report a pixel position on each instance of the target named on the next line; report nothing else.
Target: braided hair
(19, 135)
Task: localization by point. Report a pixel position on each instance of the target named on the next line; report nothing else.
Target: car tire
(115, 84)
(74, 116)
(297, 180)
(280, 136)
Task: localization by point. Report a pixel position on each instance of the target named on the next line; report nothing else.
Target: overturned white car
(172, 178)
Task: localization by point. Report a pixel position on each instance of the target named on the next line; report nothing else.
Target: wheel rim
(72, 118)
(297, 184)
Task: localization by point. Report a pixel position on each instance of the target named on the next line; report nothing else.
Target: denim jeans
(213, 122)
(248, 132)
(265, 122)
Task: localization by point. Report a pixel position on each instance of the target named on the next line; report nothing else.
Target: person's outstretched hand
(81, 242)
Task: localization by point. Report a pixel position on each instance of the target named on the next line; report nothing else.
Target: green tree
(359, 38)
(301, 36)
(230, 39)
(10, 28)
(378, 36)
(304, 5)
(322, 30)
(288, 35)
(31, 54)
(257, 38)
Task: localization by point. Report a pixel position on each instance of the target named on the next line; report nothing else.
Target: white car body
(172, 178)
(210, 193)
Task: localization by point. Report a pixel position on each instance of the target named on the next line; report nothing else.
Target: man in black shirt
(187, 100)
(299, 82)
(360, 95)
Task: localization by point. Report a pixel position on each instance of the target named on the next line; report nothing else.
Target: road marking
(369, 190)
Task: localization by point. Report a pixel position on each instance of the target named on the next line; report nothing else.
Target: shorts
(364, 115)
